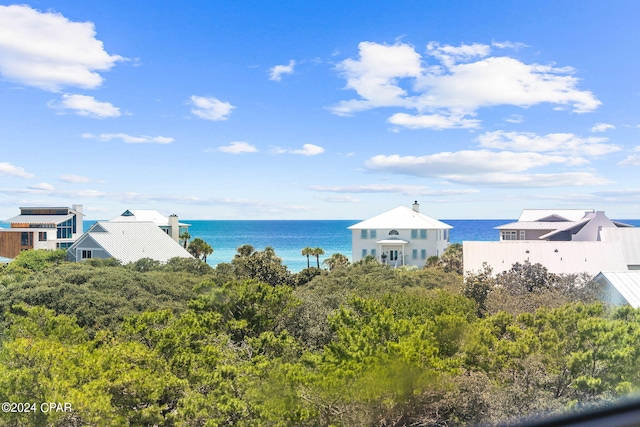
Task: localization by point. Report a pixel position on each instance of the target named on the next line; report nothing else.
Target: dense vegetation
(249, 343)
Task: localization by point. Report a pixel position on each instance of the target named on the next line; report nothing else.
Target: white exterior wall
(434, 244)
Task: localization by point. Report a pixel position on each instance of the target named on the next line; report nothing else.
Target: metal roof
(568, 214)
(39, 219)
(131, 241)
(536, 225)
(145, 215)
(628, 237)
(627, 283)
(565, 257)
(402, 218)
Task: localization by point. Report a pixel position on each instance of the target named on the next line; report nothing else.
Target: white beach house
(400, 236)
(41, 228)
(569, 241)
(127, 242)
(169, 225)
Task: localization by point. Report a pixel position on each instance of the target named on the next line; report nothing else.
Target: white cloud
(309, 150)
(555, 143)
(339, 199)
(238, 147)
(633, 160)
(210, 108)
(390, 188)
(433, 121)
(277, 71)
(602, 127)
(8, 169)
(514, 118)
(86, 106)
(48, 51)
(509, 45)
(483, 167)
(129, 139)
(466, 80)
(74, 179)
(42, 186)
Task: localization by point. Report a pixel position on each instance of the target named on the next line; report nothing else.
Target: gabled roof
(402, 218)
(550, 215)
(565, 257)
(131, 241)
(145, 215)
(627, 283)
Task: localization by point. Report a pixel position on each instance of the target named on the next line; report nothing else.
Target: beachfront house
(169, 225)
(41, 228)
(558, 225)
(127, 241)
(569, 241)
(400, 236)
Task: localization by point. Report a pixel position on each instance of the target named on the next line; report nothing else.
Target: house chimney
(174, 228)
(416, 206)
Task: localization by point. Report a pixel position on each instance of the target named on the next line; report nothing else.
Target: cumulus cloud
(309, 150)
(129, 139)
(210, 108)
(556, 143)
(238, 147)
(8, 169)
(87, 106)
(444, 95)
(633, 160)
(275, 73)
(48, 51)
(602, 127)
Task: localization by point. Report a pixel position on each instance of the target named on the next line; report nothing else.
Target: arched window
(393, 233)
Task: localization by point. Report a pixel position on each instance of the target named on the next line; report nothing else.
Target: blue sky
(320, 110)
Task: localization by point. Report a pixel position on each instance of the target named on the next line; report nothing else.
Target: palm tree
(206, 250)
(336, 261)
(185, 236)
(307, 251)
(317, 252)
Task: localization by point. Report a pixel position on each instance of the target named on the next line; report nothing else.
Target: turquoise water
(288, 238)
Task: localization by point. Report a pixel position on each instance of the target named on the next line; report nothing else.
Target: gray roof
(627, 283)
(567, 214)
(570, 257)
(39, 219)
(131, 241)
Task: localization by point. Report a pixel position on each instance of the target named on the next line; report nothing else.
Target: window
(414, 254)
(64, 245)
(26, 239)
(414, 234)
(446, 235)
(509, 235)
(373, 252)
(372, 233)
(393, 233)
(423, 234)
(86, 254)
(42, 236)
(522, 235)
(66, 229)
(364, 253)
(423, 254)
(364, 234)
(393, 255)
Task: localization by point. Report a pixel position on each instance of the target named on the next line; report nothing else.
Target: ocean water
(289, 237)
